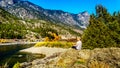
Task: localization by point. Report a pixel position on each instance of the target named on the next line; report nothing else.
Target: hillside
(13, 27)
(9, 26)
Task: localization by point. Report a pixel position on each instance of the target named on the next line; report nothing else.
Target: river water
(10, 54)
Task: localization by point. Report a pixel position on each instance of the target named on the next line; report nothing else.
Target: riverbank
(44, 50)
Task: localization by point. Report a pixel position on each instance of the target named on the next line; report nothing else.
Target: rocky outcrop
(108, 56)
(68, 58)
(97, 58)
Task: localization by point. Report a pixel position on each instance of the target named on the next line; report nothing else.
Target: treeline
(103, 31)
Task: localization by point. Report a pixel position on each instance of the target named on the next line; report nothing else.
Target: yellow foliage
(40, 44)
(3, 40)
(17, 65)
(54, 44)
(46, 39)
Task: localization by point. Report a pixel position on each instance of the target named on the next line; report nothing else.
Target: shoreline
(17, 43)
(44, 50)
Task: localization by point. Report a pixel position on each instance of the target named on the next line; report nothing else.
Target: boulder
(68, 58)
(84, 54)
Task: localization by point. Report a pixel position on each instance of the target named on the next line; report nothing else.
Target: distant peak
(85, 13)
(5, 3)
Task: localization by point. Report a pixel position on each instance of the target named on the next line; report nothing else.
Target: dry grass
(96, 64)
(55, 44)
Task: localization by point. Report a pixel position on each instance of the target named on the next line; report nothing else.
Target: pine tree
(103, 31)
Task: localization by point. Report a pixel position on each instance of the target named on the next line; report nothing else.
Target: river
(9, 53)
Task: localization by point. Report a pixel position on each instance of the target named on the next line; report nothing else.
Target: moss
(80, 61)
(16, 65)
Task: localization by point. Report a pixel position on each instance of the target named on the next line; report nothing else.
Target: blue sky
(77, 6)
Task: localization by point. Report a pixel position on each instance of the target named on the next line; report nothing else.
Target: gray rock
(97, 58)
(109, 56)
(25, 64)
(68, 58)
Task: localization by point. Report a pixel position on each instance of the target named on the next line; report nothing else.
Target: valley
(35, 37)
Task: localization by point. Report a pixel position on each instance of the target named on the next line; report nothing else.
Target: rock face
(5, 3)
(97, 58)
(27, 10)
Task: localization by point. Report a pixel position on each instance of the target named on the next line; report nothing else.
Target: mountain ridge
(27, 10)
(36, 22)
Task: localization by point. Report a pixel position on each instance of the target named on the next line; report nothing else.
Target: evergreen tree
(103, 31)
(101, 12)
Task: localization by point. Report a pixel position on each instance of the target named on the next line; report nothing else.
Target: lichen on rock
(68, 58)
(71, 58)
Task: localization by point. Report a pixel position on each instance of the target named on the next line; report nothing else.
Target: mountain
(12, 27)
(27, 10)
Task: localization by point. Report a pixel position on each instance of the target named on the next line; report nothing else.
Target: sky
(78, 6)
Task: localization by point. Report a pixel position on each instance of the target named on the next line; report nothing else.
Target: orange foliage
(56, 37)
(46, 39)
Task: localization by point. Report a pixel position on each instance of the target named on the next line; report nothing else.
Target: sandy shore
(43, 50)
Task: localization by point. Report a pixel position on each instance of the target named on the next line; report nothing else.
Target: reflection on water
(21, 57)
(10, 55)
